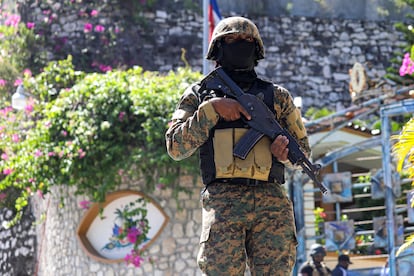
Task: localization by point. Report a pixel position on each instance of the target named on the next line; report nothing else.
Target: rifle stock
(262, 123)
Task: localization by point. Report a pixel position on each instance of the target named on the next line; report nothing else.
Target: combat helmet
(317, 249)
(234, 25)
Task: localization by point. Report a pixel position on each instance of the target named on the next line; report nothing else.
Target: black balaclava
(238, 59)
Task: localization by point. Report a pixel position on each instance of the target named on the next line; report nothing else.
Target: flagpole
(205, 36)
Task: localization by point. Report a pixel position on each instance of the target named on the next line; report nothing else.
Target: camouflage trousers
(245, 224)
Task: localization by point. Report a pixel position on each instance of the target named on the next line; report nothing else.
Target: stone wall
(310, 56)
(383, 10)
(17, 245)
(175, 250)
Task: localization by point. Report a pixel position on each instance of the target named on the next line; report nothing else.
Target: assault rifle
(262, 123)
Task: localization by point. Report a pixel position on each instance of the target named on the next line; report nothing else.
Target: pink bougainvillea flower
(2, 196)
(29, 106)
(51, 153)
(3, 82)
(87, 27)
(81, 153)
(407, 66)
(134, 258)
(15, 138)
(137, 261)
(18, 82)
(27, 72)
(52, 17)
(105, 68)
(7, 171)
(85, 204)
(30, 25)
(5, 111)
(99, 28)
(38, 153)
(13, 20)
(94, 13)
(121, 116)
(4, 156)
(64, 133)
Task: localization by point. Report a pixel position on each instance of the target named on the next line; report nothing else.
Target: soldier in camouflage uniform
(315, 266)
(246, 215)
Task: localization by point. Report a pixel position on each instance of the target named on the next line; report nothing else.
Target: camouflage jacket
(193, 120)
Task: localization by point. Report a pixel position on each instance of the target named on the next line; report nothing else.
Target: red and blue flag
(214, 16)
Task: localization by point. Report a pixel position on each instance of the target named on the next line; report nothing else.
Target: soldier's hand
(279, 148)
(229, 109)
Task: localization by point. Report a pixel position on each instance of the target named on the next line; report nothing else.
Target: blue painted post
(402, 107)
(205, 36)
(298, 206)
(389, 196)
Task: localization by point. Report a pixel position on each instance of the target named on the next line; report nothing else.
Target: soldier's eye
(230, 39)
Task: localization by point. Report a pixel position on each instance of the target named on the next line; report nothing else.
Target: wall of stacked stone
(174, 251)
(17, 245)
(309, 56)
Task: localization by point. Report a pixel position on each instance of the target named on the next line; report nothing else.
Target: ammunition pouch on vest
(216, 155)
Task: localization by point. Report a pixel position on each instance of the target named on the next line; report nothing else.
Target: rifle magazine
(246, 143)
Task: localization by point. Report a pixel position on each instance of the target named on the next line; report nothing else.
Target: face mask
(238, 55)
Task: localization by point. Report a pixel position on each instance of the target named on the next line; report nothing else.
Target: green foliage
(16, 45)
(403, 148)
(320, 217)
(57, 75)
(8, 75)
(19, 50)
(19, 47)
(105, 129)
(314, 113)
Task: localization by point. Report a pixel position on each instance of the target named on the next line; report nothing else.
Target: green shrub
(104, 129)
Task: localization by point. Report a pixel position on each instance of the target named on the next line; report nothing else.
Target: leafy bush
(104, 129)
(19, 51)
